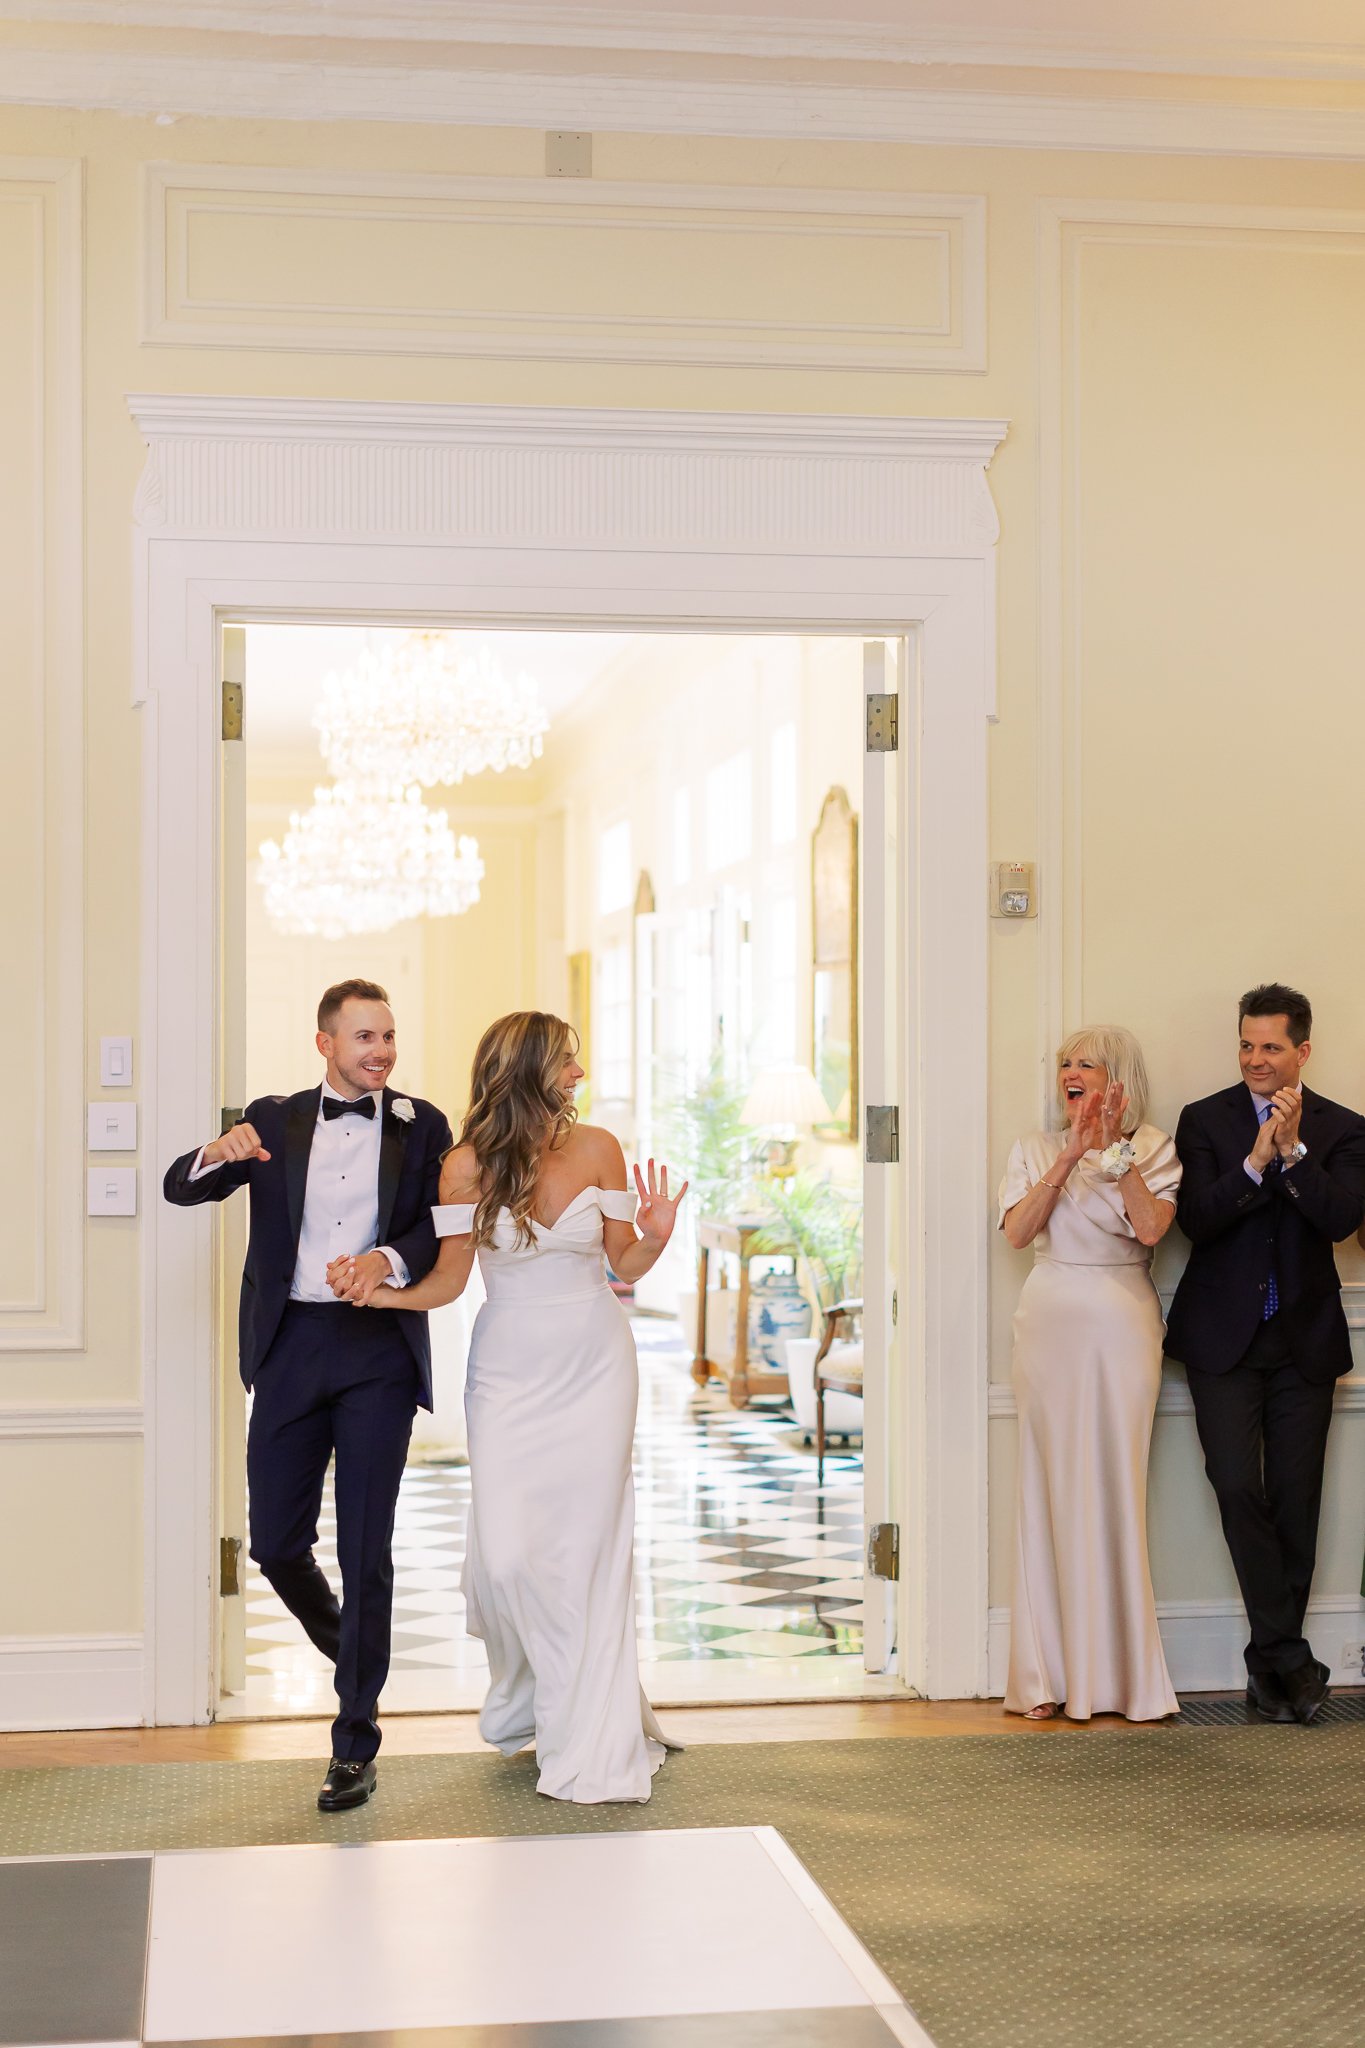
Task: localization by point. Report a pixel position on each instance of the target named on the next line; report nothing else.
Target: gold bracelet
(1051, 1184)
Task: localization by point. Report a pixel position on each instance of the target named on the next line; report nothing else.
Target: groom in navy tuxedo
(347, 1163)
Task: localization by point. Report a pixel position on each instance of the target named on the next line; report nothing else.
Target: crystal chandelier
(420, 712)
(364, 856)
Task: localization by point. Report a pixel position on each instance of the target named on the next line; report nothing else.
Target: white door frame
(511, 516)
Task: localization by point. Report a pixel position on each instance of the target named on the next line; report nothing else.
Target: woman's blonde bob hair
(517, 1113)
(1110, 1046)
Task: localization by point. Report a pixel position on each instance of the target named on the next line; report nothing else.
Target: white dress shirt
(341, 1200)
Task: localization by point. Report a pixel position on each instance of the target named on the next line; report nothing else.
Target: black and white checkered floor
(741, 1561)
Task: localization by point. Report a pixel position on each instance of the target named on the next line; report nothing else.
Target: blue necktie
(1272, 1289)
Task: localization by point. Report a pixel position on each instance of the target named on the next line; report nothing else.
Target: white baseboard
(70, 1682)
(1204, 1639)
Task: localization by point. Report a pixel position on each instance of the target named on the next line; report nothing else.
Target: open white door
(884, 1111)
(231, 1217)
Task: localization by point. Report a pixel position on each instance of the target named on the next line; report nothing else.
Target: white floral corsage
(403, 1109)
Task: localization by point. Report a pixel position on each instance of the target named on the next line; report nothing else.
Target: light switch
(111, 1191)
(111, 1126)
(116, 1063)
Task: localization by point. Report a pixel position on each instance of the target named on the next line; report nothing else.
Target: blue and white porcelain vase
(777, 1310)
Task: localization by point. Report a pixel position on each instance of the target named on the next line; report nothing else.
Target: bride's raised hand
(658, 1211)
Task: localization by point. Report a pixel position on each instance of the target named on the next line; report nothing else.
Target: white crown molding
(531, 24)
(166, 87)
(297, 468)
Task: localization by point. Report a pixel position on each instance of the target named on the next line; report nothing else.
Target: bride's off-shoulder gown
(550, 1400)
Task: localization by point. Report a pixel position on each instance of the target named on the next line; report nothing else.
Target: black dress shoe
(347, 1785)
(1266, 1696)
(1305, 1688)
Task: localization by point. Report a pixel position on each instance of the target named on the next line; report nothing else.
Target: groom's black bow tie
(331, 1107)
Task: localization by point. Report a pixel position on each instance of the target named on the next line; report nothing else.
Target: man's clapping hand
(1280, 1131)
(242, 1142)
(1284, 1119)
(357, 1277)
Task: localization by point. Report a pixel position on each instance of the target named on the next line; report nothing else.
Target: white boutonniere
(403, 1109)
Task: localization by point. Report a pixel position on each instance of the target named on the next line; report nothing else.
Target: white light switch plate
(116, 1063)
(111, 1191)
(111, 1126)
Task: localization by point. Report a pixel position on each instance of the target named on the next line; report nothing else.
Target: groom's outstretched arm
(418, 1246)
(216, 1170)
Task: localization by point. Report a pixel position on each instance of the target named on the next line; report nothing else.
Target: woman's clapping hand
(1112, 1113)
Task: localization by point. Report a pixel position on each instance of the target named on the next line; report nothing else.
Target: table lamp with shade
(785, 1099)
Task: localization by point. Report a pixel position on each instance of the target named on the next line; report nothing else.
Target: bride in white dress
(550, 1401)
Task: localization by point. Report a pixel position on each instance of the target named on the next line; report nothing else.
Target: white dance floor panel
(380, 1937)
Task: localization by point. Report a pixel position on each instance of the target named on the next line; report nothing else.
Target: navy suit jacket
(1239, 1232)
(410, 1156)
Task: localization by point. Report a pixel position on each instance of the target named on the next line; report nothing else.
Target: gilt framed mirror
(834, 960)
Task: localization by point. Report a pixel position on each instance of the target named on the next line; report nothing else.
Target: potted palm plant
(702, 1131)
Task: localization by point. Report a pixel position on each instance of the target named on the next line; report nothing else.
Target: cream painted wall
(1179, 499)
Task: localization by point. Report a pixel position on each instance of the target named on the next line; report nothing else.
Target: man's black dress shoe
(1305, 1688)
(347, 1785)
(1266, 1696)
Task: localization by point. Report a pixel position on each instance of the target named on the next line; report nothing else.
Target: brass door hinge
(234, 707)
(883, 1134)
(884, 1550)
(883, 722)
(229, 1550)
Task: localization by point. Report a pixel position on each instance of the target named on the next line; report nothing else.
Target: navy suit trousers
(335, 1379)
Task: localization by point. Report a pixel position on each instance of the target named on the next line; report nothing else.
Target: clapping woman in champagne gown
(550, 1399)
(1092, 1199)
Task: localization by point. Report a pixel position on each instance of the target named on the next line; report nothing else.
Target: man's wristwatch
(1289, 1159)
(1115, 1160)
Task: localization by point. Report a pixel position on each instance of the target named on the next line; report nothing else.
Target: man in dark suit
(1274, 1176)
(348, 1163)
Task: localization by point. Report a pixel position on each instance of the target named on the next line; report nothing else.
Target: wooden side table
(737, 1237)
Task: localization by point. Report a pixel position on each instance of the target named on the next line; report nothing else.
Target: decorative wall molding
(112, 1419)
(504, 516)
(1174, 1398)
(44, 808)
(1203, 1641)
(532, 268)
(86, 1681)
(1065, 229)
(277, 89)
(656, 482)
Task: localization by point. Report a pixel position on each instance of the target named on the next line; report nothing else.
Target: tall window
(729, 811)
(613, 1025)
(778, 933)
(614, 871)
(682, 836)
(782, 786)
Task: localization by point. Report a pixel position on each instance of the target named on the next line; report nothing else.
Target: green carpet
(1200, 1887)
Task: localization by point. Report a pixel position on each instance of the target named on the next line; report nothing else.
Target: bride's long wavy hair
(517, 1112)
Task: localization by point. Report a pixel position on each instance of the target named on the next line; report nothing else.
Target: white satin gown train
(550, 1403)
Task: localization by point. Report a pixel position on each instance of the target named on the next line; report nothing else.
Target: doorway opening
(666, 834)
